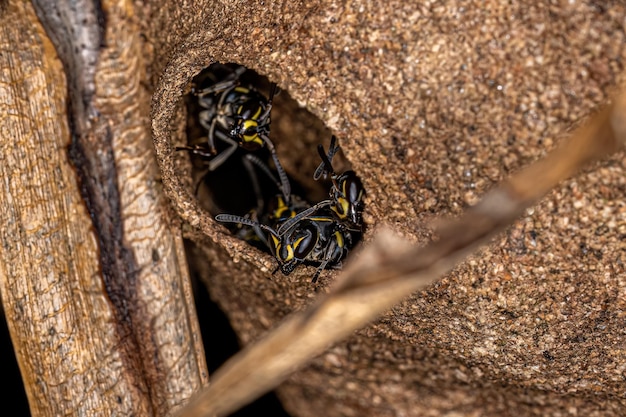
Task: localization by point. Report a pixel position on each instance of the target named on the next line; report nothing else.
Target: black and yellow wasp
(296, 232)
(311, 237)
(235, 114)
(346, 193)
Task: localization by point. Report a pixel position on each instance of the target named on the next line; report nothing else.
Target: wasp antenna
(333, 148)
(273, 92)
(239, 71)
(287, 225)
(282, 175)
(231, 218)
(319, 171)
(199, 150)
(333, 142)
(326, 166)
(258, 162)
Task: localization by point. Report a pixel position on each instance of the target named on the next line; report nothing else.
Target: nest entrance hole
(295, 133)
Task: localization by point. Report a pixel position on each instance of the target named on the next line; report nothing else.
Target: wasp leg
(196, 187)
(263, 167)
(284, 180)
(219, 117)
(221, 86)
(199, 150)
(259, 232)
(319, 270)
(332, 253)
(226, 153)
(211, 135)
(206, 117)
(248, 164)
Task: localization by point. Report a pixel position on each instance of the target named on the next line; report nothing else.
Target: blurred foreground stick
(389, 269)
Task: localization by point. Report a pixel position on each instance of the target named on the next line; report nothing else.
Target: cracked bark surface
(87, 344)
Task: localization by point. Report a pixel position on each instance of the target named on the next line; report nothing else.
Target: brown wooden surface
(75, 355)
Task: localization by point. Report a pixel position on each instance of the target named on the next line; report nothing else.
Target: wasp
(347, 191)
(312, 236)
(237, 115)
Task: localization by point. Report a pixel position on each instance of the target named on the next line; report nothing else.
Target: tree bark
(88, 343)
